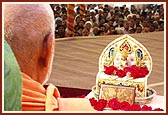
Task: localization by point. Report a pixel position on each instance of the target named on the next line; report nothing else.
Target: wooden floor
(76, 60)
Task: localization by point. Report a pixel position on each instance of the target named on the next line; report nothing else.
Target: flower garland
(114, 104)
(134, 71)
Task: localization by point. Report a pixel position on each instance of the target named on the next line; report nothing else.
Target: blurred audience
(105, 19)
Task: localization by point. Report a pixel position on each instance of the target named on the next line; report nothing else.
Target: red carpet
(72, 92)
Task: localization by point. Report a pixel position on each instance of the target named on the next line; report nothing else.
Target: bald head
(27, 29)
(23, 18)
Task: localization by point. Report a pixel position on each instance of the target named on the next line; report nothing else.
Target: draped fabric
(70, 20)
(36, 98)
(82, 9)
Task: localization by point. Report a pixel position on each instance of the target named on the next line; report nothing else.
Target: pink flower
(114, 104)
(135, 71)
(127, 69)
(135, 107)
(102, 101)
(146, 108)
(144, 71)
(93, 101)
(110, 70)
(100, 105)
(121, 73)
(124, 106)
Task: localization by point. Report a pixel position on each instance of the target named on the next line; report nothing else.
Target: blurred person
(95, 31)
(85, 32)
(101, 21)
(80, 31)
(106, 25)
(131, 31)
(58, 21)
(81, 24)
(132, 24)
(155, 23)
(110, 22)
(32, 43)
(57, 35)
(116, 18)
(61, 31)
(129, 17)
(100, 33)
(112, 30)
(87, 18)
(76, 34)
(102, 28)
(77, 19)
(64, 23)
(119, 30)
(120, 23)
(161, 27)
(146, 29)
(152, 28)
(93, 19)
(88, 26)
(95, 24)
(138, 29)
(64, 17)
(126, 27)
(105, 15)
(56, 14)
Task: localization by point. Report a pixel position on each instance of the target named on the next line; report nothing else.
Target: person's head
(152, 28)
(95, 24)
(161, 27)
(120, 21)
(95, 31)
(58, 21)
(146, 29)
(110, 22)
(76, 34)
(102, 20)
(119, 30)
(81, 23)
(102, 27)
(132, 23)
(112, 30)
(61, 31)
(105, 14)
(88, 25)
(126, 25)
(101, 32)
(29, 30)
(87, 18)
(132, 31)
(57, 35)
(85, 32)
(106, 25)
(77, 19)
(138, 29)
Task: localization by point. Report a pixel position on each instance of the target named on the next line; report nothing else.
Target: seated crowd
(99, 19)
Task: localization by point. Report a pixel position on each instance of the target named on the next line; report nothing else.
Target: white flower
(131, 60)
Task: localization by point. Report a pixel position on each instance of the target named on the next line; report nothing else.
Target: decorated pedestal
(124, 68)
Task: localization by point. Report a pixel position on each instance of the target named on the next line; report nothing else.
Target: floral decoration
(134, 71)
(114, 104)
